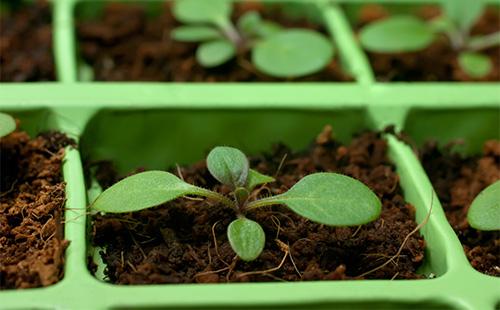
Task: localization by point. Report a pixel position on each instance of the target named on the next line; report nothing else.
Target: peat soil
(457, 181)
(32, 197)
(185, 241)
(26, 43)
(125, 44)
(439, 61)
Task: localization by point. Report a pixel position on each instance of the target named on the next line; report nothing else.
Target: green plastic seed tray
(142, 124)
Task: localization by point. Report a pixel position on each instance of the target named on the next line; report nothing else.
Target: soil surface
(457, 181)
(32, 200)
(126, 45)
(26, 43)
(185, 241)
(439, 61)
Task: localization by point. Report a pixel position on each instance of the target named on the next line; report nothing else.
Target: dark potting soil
(32, 200)
(26, 43)
(436, 63)
(125, 45)
(185, 241)
(457, 181)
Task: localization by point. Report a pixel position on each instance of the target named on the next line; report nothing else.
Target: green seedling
(406, 33)
(326, 198)
(7, 124)
(484, 212)
(275, 51)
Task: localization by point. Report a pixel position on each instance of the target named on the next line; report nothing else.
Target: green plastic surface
(117, 121)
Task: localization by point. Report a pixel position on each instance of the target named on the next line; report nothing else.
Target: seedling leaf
(195, 33)
(143, 190)
(397, 34)
(215, 53)
(228, 165)
(474, 64)
(247, 238)
(329, 198)
(7, 124)
(484, 212)
(256, 178)
(292, 53)
(464, 13)
(202, 11)
(252, 25)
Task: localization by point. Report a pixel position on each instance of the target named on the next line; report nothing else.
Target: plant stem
(216, 196)
(484, 42)
(230, 31)
(262, 203)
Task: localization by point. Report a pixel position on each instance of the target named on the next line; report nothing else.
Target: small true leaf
(331, 199)
(143, 190)
(292, 53)
(476, 65)
(247, 238)
(249, 22)
(202, 11)
(228, 165)
(256, 178)
(397, 34)
(484, 212)
(195, 33)
(215, 53)
(7, 124)
(464, 13)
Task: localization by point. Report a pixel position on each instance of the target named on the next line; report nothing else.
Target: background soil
(174, 243)
(26, 43)
(436, 63)
(126, 45)
(31, 210)
(458, 180)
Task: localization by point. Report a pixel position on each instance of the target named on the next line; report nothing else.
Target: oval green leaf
(143, 190)
(247, 238)
(292, 53)
(476, 65)
(215, 53)
(195, 33)
(484, 212)
(256, 178)
(329, 198)
(397, 34)
(7, 124)
(228, 165)
(249, 23)
(464, 13)
(202, 11)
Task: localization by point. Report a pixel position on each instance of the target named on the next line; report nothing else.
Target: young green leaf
(195, 33)
(329, 198)
(252, 25)
(215, 53)
(292, 53)
(474, 64)
(484, 212)
(256, 178)
(228, 165)
(145, 190)
(202, 11)
(464, 13)
(247, 238)
(397, 34)
(7, 124)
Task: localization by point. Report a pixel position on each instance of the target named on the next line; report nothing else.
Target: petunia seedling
(7, 124)
(406, 33)
(326, 198)
(276, 51)
(484, 212)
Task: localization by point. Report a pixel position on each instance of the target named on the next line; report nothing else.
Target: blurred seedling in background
(7, 124)
(484, 212)
(406, 33)
(326, 198)
(275, 51)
